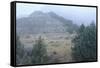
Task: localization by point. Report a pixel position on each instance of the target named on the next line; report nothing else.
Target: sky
(77, 14)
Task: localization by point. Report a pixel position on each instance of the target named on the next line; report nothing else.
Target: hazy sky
(79, 15)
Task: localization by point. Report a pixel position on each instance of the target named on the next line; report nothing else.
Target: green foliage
(19, 51)
(85, 43)
(39, 53)
(26, 59)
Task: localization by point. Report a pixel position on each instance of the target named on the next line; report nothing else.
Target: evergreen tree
(85, 43)
(39, 53)
(19, 51)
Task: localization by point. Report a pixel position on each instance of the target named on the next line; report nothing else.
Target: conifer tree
(19, 51)
(85, 43)
(39, 53)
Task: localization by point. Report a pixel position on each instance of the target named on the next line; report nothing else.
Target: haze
(77, 14)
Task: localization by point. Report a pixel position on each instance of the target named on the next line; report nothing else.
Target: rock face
(39, 22)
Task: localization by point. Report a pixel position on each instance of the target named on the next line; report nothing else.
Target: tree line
(85, 43)
(84, 48)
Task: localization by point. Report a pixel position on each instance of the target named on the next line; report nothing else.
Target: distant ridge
(40, 22)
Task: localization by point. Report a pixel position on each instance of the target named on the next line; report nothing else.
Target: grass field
(58, 45)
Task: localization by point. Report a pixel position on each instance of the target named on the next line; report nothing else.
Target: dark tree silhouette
(85, 43)
(19, 51)
(39, 53)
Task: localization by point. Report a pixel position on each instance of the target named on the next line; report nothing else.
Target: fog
(77, 14)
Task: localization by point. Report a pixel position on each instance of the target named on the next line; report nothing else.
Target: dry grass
(58, 45)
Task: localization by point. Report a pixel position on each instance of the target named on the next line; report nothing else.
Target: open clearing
(58, 45)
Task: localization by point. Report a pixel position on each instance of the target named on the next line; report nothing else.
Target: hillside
(39, 22)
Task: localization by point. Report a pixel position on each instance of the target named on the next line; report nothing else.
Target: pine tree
(39, 53)
(19, 51)
(85, 43)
